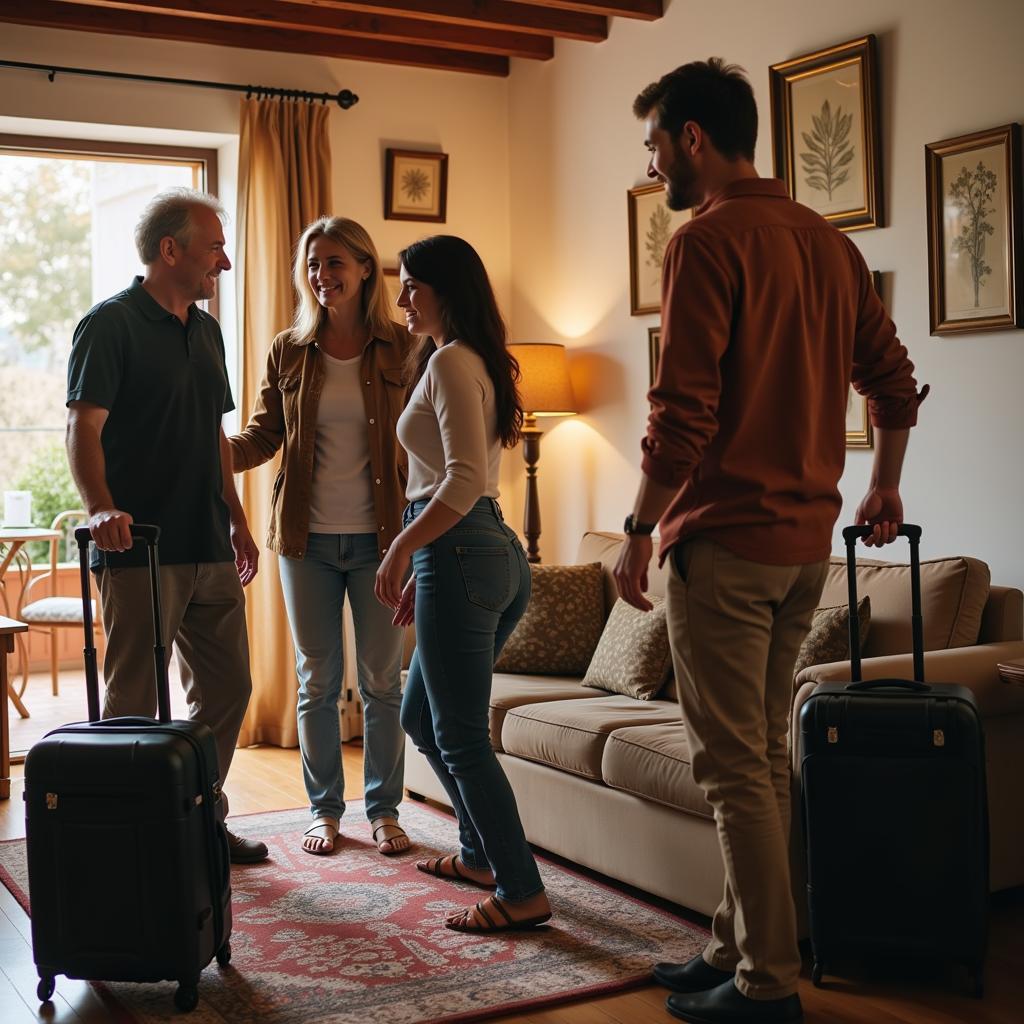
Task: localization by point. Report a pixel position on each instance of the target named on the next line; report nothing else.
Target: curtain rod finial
(347, 98)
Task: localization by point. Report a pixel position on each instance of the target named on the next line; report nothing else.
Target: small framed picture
(858, 423)
(651, 225)
(393, 284)
(415, 185)
(825, 137)
(654, 351)
(975, 257)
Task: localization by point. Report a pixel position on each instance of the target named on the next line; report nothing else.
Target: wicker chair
(53, 613)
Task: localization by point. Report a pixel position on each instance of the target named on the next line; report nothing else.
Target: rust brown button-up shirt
(285, 414)
(768, 313)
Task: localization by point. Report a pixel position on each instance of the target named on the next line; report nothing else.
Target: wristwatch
(633, 527)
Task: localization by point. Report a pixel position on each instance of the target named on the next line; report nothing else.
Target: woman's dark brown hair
(469, 313)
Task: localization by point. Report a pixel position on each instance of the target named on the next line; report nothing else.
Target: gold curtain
(284, 169)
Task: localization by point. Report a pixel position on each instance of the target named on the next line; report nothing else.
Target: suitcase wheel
(224, 954)
(816, 972)
(47, 983)
(186, 998)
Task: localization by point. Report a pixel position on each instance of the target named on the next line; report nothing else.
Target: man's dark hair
(714, 94)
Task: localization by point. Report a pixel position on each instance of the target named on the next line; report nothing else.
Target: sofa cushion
(653, 761)
(633, 656)
(512, 691)
(829, 638)
(953, 596)
(571, 734)
(562, 625)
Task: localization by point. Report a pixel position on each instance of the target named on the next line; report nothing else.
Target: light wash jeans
(472, 587)
(314, 592)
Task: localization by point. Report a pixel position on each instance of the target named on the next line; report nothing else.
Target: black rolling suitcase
(894, 807)
(128, 865)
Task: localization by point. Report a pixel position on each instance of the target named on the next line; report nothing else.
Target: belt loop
(497, 508)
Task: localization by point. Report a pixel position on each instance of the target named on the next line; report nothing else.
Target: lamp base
(531, 513)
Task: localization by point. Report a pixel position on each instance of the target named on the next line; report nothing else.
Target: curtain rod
(345, 99)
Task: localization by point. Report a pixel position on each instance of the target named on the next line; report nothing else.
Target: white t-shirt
(341, 499)
(449, 429)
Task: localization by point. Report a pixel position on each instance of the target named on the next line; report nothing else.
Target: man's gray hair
(170, 214)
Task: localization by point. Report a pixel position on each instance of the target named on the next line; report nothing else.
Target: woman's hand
(391, 575)
(406, 612)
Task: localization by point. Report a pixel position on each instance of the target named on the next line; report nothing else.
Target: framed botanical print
(415, 185)
(651, 225)
(653, 351)
(825, 136)
(975, 258)
(858, 425)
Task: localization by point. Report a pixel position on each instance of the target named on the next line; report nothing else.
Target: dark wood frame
(864, 438)
(91, 149)
(635, 309)
(441, 159)
(1009, 137)
(653, 351)
(782, 75)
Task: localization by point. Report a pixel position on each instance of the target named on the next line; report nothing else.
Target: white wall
(947, 68)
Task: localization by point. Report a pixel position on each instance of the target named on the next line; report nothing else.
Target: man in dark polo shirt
(768, 313)
(147, 387)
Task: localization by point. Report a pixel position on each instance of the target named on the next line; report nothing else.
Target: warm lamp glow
(544, 388)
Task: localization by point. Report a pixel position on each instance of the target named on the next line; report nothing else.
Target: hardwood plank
(509, 14)
(57, 14)
(646, 10)
(345, 23)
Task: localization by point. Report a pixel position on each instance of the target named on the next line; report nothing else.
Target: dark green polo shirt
(165, 386)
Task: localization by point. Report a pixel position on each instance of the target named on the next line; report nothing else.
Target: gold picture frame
(415, 185)
(975, 237)
(825, 134)
(653, 351)
(647, 212)
(859, 433)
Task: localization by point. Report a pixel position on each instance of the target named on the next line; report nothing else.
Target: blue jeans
(314, 592)
(472, 587)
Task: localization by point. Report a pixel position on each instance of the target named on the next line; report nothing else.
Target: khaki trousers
(204, 620)
(735, 629)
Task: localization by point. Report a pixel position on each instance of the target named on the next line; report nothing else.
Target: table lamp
(545, 390)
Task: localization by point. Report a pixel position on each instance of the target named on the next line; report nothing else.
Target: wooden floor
(264, 779)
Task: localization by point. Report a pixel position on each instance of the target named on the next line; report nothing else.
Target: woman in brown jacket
(331, 395)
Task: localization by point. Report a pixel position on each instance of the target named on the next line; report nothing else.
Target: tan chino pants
(204, 620)
(736, 628)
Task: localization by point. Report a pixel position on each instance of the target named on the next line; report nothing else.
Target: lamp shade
(545, 388)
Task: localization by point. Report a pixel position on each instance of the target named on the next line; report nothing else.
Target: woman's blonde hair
(309, 314)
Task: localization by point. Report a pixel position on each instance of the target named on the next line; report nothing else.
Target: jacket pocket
(487, 575)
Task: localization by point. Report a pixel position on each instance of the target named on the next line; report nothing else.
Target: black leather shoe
(245, 851)
(697, 975)
(727, 1005)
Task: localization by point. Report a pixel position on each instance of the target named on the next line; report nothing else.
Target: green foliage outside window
(48, 477)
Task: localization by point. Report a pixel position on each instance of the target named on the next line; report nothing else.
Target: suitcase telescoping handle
(151, 535)
(913, 534)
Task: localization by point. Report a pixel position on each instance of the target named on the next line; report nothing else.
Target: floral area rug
(355, 937)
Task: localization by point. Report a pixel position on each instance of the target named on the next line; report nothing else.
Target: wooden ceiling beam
(78, 17)
(386, 27)
(506, 14)
(645, 10)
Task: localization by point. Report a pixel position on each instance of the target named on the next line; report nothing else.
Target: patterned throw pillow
(829, 638)
(633, 657)
(562, 624)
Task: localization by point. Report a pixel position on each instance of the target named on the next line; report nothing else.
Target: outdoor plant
(53, 491)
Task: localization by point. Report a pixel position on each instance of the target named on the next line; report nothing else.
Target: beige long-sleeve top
(449, 429)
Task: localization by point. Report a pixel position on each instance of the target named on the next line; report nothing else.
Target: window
(66, 243)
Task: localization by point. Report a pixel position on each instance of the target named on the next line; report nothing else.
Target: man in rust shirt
(768, 313)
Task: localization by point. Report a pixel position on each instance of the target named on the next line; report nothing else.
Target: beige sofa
(605, 781)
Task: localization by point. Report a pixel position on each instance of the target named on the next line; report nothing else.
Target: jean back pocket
(487, 574)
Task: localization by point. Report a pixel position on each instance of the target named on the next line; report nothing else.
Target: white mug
(17, 508)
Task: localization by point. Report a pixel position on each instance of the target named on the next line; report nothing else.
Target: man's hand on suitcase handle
(882, 509)
(111, 529)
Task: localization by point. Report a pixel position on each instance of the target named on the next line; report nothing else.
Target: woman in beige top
(331, 396)
(471, 580)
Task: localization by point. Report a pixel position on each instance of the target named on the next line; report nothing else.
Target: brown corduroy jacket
(285, 413)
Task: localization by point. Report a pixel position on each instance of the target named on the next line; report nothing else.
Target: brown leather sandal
(436, 867)
(469, 922)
